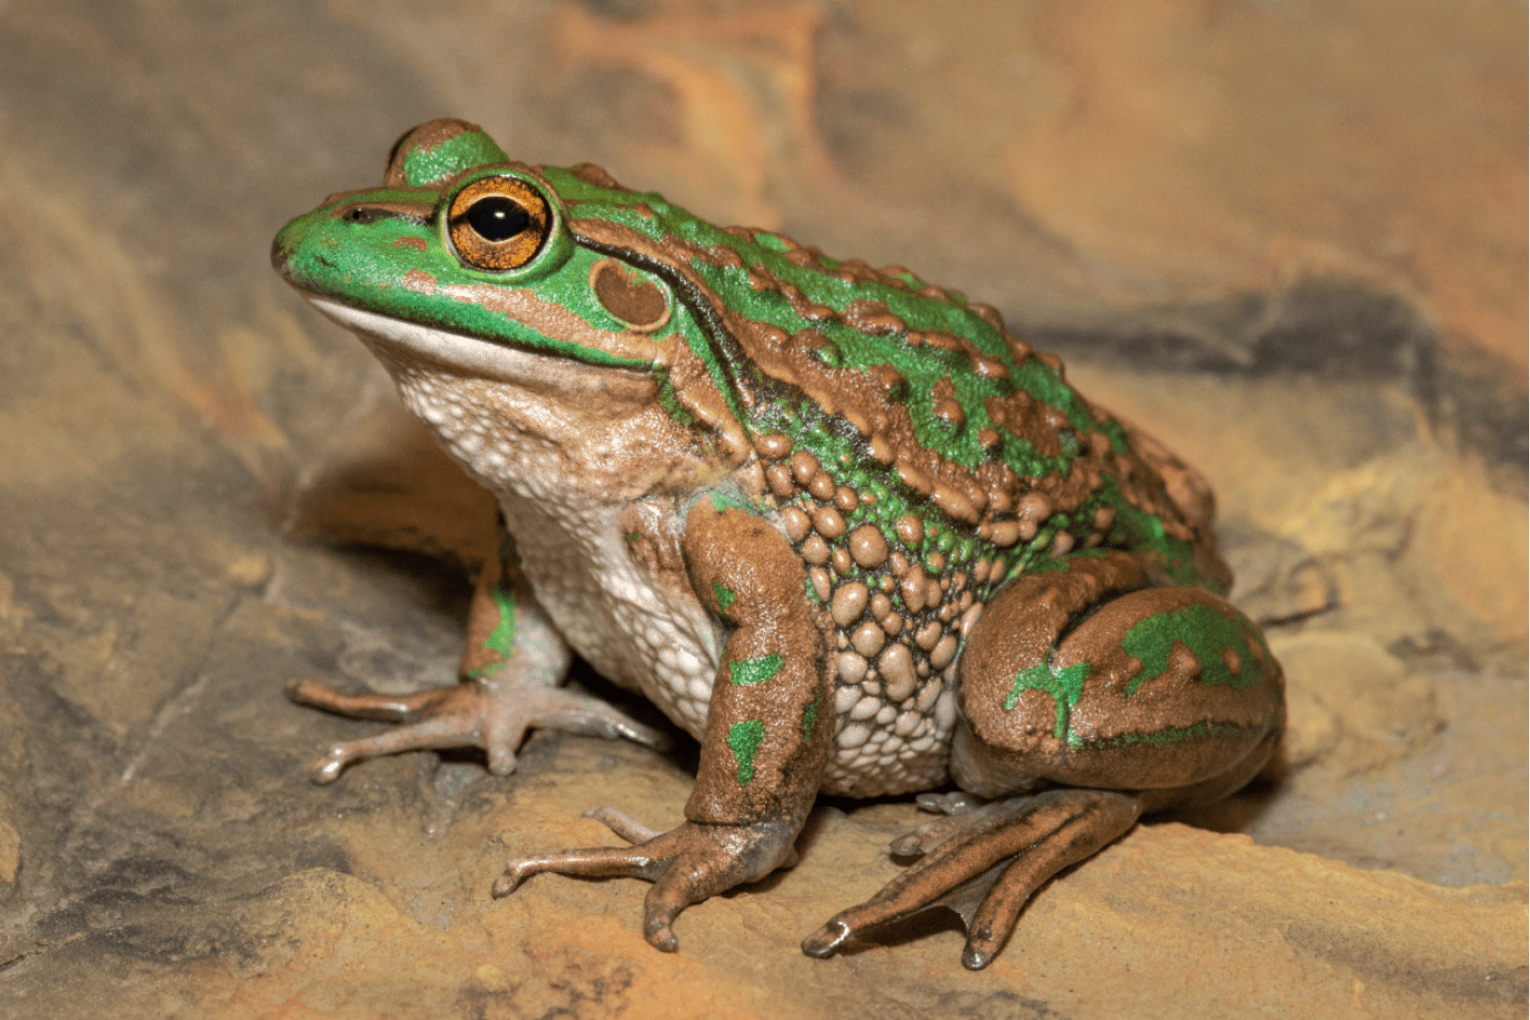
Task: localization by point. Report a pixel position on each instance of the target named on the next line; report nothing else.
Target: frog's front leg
(1115, 700)
(512, 664)
(767, 739)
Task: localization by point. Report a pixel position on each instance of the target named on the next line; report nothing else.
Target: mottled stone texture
(1287, 237)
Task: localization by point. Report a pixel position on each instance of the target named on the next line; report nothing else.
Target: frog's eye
(498, 223)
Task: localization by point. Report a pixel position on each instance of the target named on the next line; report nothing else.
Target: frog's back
(917, 401)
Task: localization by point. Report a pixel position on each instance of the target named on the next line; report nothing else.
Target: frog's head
(462, 239)
(467, 269)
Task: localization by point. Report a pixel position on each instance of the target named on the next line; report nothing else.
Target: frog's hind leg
(1116, 699)
(511, 667)
(987, 865)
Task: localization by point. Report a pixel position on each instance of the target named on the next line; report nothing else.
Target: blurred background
(1287, 237)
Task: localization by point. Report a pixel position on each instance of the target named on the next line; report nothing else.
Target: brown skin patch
(698, 393)
(593, 175)
(629, 296)
(945, 405)
(1022, 414)
(871, 401)
(982, 364)
(1177, 697)
(873, 318)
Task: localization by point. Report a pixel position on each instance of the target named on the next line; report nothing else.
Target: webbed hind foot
(984, 863)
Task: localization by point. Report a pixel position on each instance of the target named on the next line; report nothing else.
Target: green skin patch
(728, 497)
(744, 739)
(1066, 686)
(501, 640)
(1205, 632)
(724, 597)
(748, 672)
(809, 718)
(1150, 640)
(462, 152)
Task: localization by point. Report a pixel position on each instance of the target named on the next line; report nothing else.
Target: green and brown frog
(834, 521)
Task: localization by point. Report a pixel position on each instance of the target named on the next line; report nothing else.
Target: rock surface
(1288, 238)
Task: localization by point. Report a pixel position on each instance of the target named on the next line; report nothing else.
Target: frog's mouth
(399, 340)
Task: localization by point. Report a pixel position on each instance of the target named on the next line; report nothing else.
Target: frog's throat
(462, 355)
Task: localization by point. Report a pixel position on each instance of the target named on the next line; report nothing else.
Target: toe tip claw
(297, 691)
(328, 768)
(517, 870)
(976, 959)
(501, 761)
(662, 937)
(825, 940)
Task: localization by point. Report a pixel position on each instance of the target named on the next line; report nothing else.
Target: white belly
(643, 635)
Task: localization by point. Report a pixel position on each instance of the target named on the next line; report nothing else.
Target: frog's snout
(282, 247)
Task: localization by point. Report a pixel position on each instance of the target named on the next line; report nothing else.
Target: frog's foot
(493, 715)
(686, 865)
(985, 862)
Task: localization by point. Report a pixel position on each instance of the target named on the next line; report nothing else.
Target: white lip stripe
(464, 354)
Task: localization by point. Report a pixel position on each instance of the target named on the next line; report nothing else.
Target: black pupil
(497, 218)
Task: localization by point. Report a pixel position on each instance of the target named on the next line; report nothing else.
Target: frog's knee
(1159, 688)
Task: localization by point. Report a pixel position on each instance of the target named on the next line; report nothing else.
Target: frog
(836, 522)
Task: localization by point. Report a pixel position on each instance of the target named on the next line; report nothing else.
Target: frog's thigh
(1157, 689)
